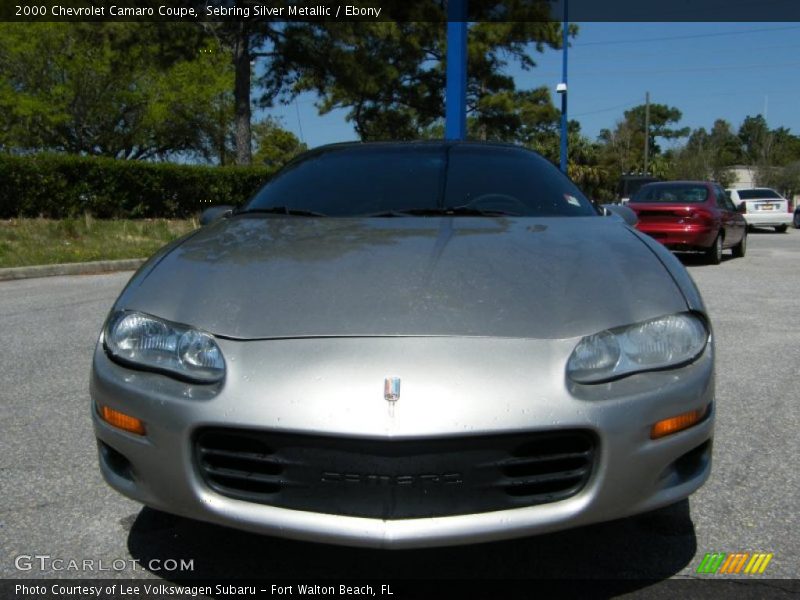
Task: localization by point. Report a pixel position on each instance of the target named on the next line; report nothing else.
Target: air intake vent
(395, 479)
(239, 464)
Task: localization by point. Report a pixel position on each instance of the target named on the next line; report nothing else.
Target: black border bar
(156, 589)
(399, 10)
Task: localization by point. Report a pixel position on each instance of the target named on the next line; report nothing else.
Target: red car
(691, 215)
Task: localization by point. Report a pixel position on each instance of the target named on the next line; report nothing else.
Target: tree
(661, 119)
(726, 145)
(500, 111)
(248, 41)
(622, 148)
(624, 145)
(693, 160)
(786, 179)
(521, 116)
(769, 151)
(387, 73)
(756, 140)
(125, 90)
(584, 166)
(786, 147)
(391, 75)
(708, 155)
(274, 146)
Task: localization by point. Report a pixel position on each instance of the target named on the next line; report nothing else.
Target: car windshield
(420, 180)
(759, 194)
(677, 193)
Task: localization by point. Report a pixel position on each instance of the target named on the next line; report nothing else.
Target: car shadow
(698, 259)
(628, 553)
(764, 231)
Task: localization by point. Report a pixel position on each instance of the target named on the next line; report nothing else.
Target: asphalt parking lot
(55, 503)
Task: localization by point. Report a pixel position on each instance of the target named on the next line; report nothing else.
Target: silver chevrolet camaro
(406, 345)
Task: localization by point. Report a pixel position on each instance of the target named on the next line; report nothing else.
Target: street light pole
(455, 103)
(562, 89)
(646, 130)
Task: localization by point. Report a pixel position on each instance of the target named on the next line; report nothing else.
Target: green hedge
(57, 186)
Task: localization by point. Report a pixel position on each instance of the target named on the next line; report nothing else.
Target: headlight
(656, 344)
(152, 343)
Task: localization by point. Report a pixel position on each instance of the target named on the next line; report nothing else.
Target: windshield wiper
(282, 210)
(450, 211)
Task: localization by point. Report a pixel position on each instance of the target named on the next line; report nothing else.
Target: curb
(87, 268)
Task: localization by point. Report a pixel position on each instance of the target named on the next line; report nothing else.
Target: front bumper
(454, 388)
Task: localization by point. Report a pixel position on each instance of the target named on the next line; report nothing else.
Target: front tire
(713, 254)
(781, 228)
(740, 248)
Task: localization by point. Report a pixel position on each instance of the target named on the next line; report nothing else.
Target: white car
(763, 207)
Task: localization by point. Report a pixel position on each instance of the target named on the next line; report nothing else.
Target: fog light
(122, 421)
(677, 423)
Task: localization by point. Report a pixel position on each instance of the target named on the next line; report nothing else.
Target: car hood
(256, 277)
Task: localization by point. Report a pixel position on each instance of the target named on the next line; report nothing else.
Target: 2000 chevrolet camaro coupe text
(408, 344)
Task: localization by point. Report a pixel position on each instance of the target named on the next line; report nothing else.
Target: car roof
(441, 144)
(679, 182)
(683, 182)
(434, 143)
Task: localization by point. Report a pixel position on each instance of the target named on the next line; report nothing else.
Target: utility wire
(299, 122)
(682, 37)
(625, 56)
(708, 68)
(609, 109)
(602, 73)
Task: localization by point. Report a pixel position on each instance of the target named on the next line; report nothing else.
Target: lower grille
(395, 479)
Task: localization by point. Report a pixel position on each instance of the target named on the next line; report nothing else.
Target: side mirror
(210, 215)
(619, 211)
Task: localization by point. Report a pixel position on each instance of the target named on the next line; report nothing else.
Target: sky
(706, 70)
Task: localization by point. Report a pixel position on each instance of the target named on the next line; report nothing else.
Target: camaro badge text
(391, 389)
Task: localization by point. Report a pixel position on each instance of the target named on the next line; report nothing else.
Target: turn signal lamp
(677, 423)
(122, 421)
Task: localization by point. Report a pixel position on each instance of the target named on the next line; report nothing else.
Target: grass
(25, 242)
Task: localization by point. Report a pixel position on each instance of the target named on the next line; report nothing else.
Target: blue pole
(455, 127)
(564, 122)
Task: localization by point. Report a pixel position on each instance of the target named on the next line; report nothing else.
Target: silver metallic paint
(256, 277)
(451, 387)
(477, 316)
